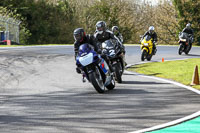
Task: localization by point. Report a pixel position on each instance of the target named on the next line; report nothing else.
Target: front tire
(118, 73)
(111, 86)
(180, 50)
(143, 56)
(97, 81)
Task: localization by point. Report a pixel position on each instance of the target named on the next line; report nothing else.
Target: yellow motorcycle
(146, 48)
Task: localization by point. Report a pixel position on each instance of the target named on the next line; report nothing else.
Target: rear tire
(97, 81)
(188, 49)
(149, 57)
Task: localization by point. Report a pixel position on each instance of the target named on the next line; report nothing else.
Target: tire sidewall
(94, 81)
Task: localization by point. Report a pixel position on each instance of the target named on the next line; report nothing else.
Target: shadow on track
(128, 91)
(195, 55)
(154, 74)
(141, 82)
(75, 111)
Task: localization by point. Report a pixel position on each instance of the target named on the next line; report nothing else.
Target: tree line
(53, 21)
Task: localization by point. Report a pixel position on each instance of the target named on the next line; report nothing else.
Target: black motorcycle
(185, 44)
(116, 57)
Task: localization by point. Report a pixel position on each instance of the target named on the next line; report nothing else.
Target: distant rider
(153, 35)
(190, 32)
(116, 32)
(102, 34)
(80, 37)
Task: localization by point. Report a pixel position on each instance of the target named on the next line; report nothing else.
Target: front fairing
(108, 48)
(183, 37)
(103, 65)
(147, 44)
(109, 52)
(86, 57)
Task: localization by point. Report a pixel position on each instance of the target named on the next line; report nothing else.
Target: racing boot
(154, 51)
(154, 48)
(83, 79)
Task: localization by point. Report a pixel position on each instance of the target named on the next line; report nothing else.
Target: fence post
(11, 28)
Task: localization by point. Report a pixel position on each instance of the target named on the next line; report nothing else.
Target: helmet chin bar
(151, 31)
(100, 32)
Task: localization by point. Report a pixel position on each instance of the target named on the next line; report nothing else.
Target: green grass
(180, 71)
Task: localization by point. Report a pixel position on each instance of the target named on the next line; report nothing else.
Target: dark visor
(100, 28)
(77, 37)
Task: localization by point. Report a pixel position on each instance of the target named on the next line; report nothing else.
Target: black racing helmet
(79, 34)
(100, 26)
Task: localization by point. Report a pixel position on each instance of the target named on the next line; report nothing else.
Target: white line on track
(171, 82)
(168, 81)
(168, 124)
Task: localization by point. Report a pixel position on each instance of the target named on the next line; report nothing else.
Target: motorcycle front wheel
(144, 54)
(111, 86)
(118, 73)
(180, 49)
(97, 81)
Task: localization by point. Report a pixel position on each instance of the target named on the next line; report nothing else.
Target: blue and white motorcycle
(95, 68)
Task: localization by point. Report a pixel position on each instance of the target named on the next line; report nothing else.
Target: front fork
(145, 48)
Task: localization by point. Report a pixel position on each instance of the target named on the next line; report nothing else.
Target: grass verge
(180, 71)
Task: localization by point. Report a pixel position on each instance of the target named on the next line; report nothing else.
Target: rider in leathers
(115, 30)
(153, 35)
(102, 34)
(189, 31)
(81, 38)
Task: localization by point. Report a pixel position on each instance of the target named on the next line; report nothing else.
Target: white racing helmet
(188, 25)
(151, 29)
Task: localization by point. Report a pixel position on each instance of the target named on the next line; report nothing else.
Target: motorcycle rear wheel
(188, 49)
(149, 57)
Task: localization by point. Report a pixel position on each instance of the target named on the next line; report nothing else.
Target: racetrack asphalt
(41, 92)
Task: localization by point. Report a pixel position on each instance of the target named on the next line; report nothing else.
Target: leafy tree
(166, 22)
(53, 21)
(113, 12)
(24, 32)
(189, 12)
(48, 22)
